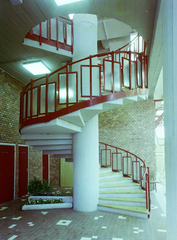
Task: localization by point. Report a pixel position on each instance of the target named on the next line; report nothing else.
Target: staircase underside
(53, 133)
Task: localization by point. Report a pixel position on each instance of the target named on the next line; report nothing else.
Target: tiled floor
(67, 224)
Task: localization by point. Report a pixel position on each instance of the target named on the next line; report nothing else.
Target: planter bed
(65, 199)
(66, 203)
(46, 206)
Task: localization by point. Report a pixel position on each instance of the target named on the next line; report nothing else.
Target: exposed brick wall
(54, 171)
(10, 89)
(35, 163)
(131, 127)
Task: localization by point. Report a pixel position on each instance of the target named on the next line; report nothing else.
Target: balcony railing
(56, 32)
(89, 81)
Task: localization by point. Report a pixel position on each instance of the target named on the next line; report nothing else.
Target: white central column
(86, 167)
(85, 44)
(86, 143)
(85, 36)
(169, 15)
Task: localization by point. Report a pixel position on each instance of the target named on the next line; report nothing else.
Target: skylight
(36, 68)
(64, 2)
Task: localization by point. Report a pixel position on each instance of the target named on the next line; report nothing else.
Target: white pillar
(169, 15)
(86, 167)
(85, 36)
(85, 44)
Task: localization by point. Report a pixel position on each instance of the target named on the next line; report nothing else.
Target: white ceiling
(16, 21)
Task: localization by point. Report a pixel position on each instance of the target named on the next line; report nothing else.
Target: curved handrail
(66, 88)
(105, 153)
(127, 152)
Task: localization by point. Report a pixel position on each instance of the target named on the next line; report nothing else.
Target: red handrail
(48, 40)
(128, 153)
(145, 177)
(70, 101)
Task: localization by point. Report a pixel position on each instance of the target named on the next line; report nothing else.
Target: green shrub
(35, 186)
(47, 187)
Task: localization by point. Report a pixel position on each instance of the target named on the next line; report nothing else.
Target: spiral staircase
(58, 105)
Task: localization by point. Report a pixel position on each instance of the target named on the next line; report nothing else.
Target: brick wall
(131, 127)
(10, 89)
(54, 171)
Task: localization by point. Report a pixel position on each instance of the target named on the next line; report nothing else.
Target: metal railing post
(130, 81)
(112, 72)
(31, 100)
(46, 97)
(67, 86)
(90, 77)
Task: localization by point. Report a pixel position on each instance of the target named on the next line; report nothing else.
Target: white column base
(86, 167)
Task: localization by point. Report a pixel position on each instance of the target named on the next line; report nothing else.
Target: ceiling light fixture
(64, 2)
(16, 2)
(36, 68)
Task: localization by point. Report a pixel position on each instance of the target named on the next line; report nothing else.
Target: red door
(23, 170)
(6, 173)
(45, 164)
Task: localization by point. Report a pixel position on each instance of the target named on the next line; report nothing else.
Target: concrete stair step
(141, 202)
(120, 186)
(105, 170)
(124, 209)
(123, 193)
(110, 175)
(118, 180)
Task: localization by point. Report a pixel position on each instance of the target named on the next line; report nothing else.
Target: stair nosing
(124, 199)
(133, 191)
(142, 210)
(121, 185)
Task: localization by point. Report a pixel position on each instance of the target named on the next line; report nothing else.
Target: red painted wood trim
(48, 42)
(112, 72)
(57, 33)
(46, 96)
(72, 37)
(82, 105)
(90, 77)
(67, 86)
(31, 101)
(149, 190)
(124, 151)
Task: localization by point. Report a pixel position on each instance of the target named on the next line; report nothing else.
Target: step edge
(121, 207)
(123, 199)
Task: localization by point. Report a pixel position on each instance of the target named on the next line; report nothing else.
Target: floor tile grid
(82, 224)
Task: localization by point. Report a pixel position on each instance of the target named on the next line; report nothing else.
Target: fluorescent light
(71, 15)
(16, 2)
(64, 2)
(36, 68)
